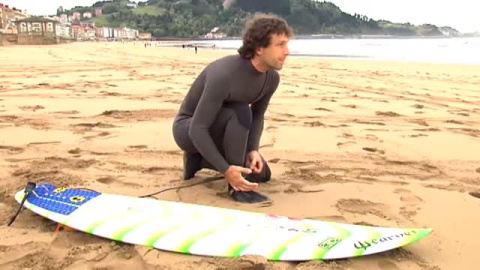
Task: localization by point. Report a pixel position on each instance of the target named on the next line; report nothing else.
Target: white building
(90, 33)
(87, 15)
(214, 34)
(63, 18)
(105, 32)
(131, 33)
(119, 33)
(63, 30)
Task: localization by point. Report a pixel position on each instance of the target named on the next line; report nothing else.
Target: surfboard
(210, 231)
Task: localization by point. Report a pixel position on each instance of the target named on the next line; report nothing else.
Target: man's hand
(254, 161)
(236, 180)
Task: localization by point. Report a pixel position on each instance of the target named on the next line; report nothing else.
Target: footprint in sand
(455, 122)
(106, 180)
(322, 109)
(420, 122)
(24, 256)
(76, 239)
(362, 207)
(347, 136)
(300, 188)
(134, 148)
(31, 108)
(345, 144)
(417, 135)
(387, 265)
(12, 149)
(411, 201)
(329, 218)
(274, 160)
(389, 114)
(75, 151)
(475, 194)
(478, 170)
(314, 124)
(373, 150)
(371, 137)
(402, 255)
(67, 112)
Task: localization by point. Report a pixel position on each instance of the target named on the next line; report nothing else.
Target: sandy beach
(377, 143)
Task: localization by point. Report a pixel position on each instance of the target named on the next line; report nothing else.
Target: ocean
(426, 50)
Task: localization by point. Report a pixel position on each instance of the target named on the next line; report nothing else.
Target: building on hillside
(90, 33)
(64, 31)
(88, 24)
(104, 32)
(87, 15)
(8, 17)
(215, 34)
(120, 33)
(76, 16)
(145, 36)
(131, 33)
(63, 18)
(78, 32)
(98, 12)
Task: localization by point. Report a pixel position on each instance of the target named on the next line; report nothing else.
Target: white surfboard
(211, 231)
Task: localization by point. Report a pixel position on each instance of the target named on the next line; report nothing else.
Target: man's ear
(259, 51)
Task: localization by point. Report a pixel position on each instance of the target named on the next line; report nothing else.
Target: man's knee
(242, 112)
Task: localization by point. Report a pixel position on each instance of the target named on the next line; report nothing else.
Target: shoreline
(208, 47)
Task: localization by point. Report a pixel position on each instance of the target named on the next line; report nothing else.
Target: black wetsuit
(222, 115)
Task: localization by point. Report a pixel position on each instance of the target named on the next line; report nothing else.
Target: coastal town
(17, 26)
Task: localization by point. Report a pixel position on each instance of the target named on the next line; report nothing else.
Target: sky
(49, 7)
(462, 15)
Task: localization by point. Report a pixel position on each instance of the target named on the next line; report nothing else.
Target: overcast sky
(49, 7)
(462, 15)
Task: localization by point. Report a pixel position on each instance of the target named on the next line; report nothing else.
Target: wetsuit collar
(252, 68)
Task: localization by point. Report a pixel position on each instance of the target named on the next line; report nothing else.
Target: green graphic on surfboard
(211, 231)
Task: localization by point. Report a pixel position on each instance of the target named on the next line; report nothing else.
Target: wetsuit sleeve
(258, 111)
(214, 93)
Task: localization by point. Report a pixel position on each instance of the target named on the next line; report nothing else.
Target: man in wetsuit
(220, 121)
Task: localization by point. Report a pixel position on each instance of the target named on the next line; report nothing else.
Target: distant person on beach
(220, 121)
(196, 49)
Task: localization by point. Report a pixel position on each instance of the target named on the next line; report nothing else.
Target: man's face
(275, 54)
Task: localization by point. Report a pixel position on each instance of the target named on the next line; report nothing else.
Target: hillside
(194, 18)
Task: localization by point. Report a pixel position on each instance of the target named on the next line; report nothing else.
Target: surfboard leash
(208, 180)
(28, 190)
(31, 186)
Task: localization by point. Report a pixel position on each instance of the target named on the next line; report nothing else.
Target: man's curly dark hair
(258, 32)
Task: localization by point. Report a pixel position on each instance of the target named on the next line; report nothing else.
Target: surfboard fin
(28, 189)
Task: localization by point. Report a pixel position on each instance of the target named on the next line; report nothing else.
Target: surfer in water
(221, 119)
